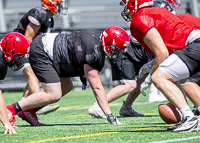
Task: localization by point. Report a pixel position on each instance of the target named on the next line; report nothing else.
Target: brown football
(169, 113)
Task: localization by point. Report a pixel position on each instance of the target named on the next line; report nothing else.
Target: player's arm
(155, 42)
(94, 79)
(4, 117)
(31, 31)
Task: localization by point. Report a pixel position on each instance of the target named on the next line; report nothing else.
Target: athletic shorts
(40, 62)
(123, 68)
(183, 63)
(195, 78)
(3, 66)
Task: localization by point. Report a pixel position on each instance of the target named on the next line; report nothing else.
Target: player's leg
(171, 70)
(192, 89)
(33, 87)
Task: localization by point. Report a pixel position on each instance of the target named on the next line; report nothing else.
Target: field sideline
(72, 123)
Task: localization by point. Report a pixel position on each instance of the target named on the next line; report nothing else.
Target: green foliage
(75, 125)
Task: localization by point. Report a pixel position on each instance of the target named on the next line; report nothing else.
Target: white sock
(108, 113)
(186, 111)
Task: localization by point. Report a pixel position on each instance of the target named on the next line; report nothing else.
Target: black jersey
(41, 16)
(138, 53)
(3, 63)
(72, 51)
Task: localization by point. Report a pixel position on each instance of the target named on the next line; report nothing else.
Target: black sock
(37, 109)
(17, 107)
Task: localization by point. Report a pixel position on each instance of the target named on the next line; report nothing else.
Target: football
(169, 113)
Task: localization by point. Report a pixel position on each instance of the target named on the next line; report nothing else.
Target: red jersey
(191, 20)
(173, 31)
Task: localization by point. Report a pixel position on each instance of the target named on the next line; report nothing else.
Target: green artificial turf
(72, 123)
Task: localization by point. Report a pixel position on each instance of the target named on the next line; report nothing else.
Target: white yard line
(176, 140)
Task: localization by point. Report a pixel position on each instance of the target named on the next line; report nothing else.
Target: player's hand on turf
(9, 129)
(112, 119)
(145, 69)
(147, 82)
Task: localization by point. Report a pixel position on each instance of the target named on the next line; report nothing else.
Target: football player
(125, 67)
(13, 48)
(55, 58)
(160, 32)
(37, 21)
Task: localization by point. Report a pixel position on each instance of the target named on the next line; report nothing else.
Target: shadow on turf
(139, 117)
(62, 125)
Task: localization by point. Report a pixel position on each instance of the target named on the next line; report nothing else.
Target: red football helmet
(132, 6)
(56, 6)
(175, 3)
(14, 46)
(114, 39)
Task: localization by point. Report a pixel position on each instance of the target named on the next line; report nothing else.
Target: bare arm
(97, 87)
(4, 117)
(31, 31)
(155, 42)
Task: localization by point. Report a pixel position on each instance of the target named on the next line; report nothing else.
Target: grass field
(72, 123)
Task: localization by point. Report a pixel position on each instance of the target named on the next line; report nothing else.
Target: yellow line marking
(150, 113)
(78, 115)
(98, 134)
(73, 137)
(79, 106)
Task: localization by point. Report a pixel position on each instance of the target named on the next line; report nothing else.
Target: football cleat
(112, 119)
(128, 111)
(47, 109)
(30, 117)
(96, 111)
(189, 124)
(11, 117)
(175, 126)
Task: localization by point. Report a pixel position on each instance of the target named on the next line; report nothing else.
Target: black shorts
(190, 55)
(125, 68)
(40, 62)
(195, 78)
(3, 66)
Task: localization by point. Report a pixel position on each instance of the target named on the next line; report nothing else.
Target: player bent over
(37, 21)
(55, 58)
(13, 48)
(161, 32)
(125, 67)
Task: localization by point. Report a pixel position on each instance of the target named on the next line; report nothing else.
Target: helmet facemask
(61, 8)
(124, 13)
(57, 7)
(17, 63)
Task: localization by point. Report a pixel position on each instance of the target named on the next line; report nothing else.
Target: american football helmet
(175, 3)
(132, 6)
(14, 47)
(163, 4)
(114, 40)
(56, 6)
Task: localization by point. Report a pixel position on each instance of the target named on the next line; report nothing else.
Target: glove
(145, 69)
(147, 82)
(112, 119)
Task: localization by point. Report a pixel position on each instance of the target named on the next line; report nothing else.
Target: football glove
(147, 82)
(145, 69)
